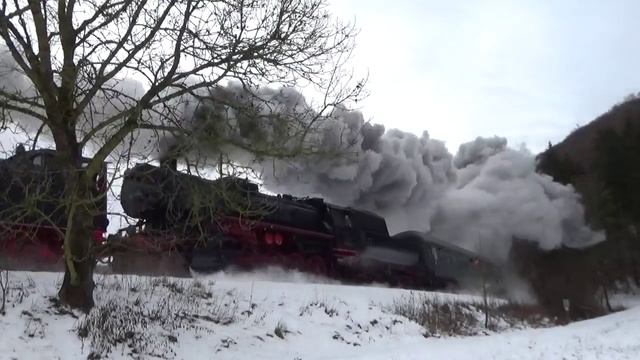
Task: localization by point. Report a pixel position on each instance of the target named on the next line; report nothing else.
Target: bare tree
(77, 58)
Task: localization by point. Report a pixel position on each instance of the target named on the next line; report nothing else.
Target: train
(32, 217)
(187, 223)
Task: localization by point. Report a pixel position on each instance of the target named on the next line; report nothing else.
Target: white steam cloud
(499, 197)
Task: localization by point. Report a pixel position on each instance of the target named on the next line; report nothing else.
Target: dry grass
(446, 317)
(331, 311)
(13, 292)
(143, 317)
(281, 330)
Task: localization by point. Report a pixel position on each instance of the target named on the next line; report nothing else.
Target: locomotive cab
(357, 229)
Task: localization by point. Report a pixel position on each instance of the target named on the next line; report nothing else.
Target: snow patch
(275, 320)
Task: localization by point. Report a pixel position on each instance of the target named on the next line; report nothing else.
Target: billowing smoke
(478, 151)
(335, 154)
(14, 81)
(343, 158)
(481, 199)
(116, 96)
(496, 196)
(230, 120)
(393, 173)
(499, 196)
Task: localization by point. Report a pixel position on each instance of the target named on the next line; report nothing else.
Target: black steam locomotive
(215, 224)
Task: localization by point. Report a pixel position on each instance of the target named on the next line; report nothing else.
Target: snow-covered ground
(267, 317)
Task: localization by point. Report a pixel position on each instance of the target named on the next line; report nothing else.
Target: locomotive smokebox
(141, 195)
(161, 195)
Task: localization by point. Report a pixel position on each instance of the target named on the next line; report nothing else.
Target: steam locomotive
(229, 222)
(189, 223)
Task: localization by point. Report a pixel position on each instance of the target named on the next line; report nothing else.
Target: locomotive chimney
(170, 158)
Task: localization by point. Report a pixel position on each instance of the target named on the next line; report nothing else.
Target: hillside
(602, 161)
(578, 146)
(255, 316)
(575, 159)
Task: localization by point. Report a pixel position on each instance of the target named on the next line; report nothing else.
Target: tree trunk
(78, 294)
(79, 263)
(77, 286)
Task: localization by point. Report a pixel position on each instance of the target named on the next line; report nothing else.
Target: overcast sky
(529, 70)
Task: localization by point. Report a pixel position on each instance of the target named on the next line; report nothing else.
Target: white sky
(529, 70)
